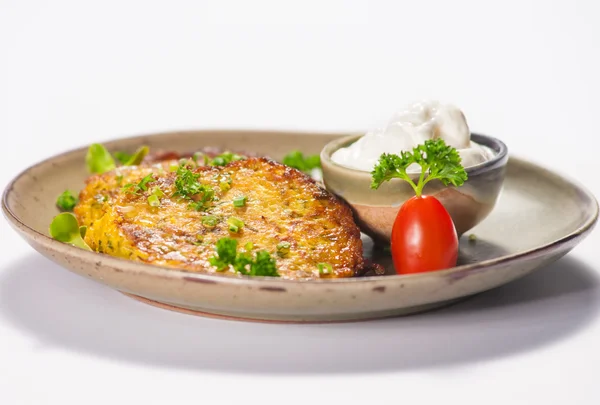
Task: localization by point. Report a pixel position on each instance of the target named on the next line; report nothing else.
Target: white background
(73, 72)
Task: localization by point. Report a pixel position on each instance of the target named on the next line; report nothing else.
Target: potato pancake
(141, 213)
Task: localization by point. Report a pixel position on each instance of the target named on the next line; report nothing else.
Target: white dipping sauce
(412, 127)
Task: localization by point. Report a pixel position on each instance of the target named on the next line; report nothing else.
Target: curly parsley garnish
(66, 201)
(243, 262)
(306, 164)
(437, 160)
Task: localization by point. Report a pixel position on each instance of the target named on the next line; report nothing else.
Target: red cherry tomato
(423, 237)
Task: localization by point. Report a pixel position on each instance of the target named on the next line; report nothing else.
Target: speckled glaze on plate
(523, 233)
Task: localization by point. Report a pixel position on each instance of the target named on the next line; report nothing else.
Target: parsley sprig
(243, 262)
(437, 160)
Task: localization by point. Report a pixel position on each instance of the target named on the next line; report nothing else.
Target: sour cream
(409, 128)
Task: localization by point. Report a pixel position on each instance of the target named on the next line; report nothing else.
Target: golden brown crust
(284, 205)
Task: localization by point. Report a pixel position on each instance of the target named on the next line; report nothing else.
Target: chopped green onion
(283, 248)
(173, 168)
(199, 239)
(325, 268)
(239, 202)
(157, 191)
(235, 224)
(248, 246)
(153, 200)
(235, 221)
(210, 221)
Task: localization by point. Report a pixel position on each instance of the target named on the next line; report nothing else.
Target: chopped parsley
(186, 183)
(66, 201)
(139, 187)
(188, 187)
(243, 262)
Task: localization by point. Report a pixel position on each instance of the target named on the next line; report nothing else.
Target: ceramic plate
(539, 217)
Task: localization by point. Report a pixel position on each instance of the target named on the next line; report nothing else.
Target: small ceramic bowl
(376, 210)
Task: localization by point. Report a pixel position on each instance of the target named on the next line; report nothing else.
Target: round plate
(539, 217)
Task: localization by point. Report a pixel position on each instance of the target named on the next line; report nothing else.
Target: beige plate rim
(579, 233)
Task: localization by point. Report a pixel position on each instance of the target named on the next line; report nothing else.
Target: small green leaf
(65, 228)
(98, 159)
(225, 158)
(66, 201)
(137, 157)
(122, 157)
(297, 160)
